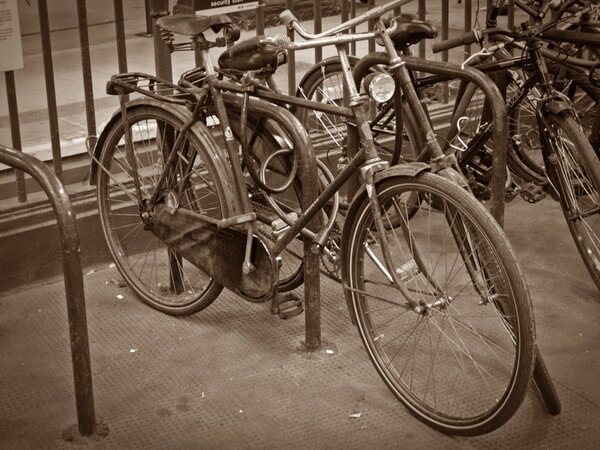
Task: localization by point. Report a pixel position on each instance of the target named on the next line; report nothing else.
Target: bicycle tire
(574, 170)
(497, 340)
(544, 386)
(160, 278)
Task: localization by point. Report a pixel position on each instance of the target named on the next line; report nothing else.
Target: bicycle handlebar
(465, 39)
(290, 21)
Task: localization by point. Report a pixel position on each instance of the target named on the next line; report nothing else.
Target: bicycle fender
(411, 169)
(557, 106)
(178, 111)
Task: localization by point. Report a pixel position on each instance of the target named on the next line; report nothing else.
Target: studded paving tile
(236, 377)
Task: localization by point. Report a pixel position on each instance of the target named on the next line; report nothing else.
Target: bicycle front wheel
(159, 276)
(462, 359)
(574, 170)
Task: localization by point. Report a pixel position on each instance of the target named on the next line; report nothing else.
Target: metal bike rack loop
(80, 352)
(499, 118)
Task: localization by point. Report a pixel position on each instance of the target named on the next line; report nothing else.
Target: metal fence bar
(148, 32)
(468, 23)
(318, 27)
(260, 18)
(15, 130)
(445, 53)
(86, 64)
(50, 88)
(422, 14)
(120, 35)
(371, 26)
(162, 57)
(291, 55)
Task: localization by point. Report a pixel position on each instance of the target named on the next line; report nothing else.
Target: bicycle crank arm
(220, 253)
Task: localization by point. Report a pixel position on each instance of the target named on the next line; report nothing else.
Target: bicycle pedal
(286, 305)
(533, 193)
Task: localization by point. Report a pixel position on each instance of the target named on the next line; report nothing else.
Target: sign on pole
(11, 49)
(212, 7)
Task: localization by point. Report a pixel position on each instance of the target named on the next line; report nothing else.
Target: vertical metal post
(120, 34)
(50, 88)
(15, 131)
(345, 11)
(260, 18)
(318, 21)
(353, 29)
(371, 26)
(67, 227)
(422, 12)
(148, 32)
(87, 71)
(445, 27)
(511, 15)
(292, 56)
(468, 25)
(162, 57)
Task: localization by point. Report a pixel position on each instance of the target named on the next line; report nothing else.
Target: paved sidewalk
(234, 377)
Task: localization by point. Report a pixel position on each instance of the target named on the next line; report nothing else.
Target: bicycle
(421, 260)
(570, 162)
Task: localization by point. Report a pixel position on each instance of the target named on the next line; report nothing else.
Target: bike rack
(80, 352)
(500, 120)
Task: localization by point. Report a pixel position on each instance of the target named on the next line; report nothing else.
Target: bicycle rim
(576, 176)
(160, 277)
(463, 364)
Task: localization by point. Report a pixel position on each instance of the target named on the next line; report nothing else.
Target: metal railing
(87, 424)
(154, 9)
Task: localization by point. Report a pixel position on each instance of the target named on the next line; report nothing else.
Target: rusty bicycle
(188, 175)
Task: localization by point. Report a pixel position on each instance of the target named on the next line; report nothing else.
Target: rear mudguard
(412, 169)
(178, 111)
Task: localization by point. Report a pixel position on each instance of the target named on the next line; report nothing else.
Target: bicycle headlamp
(380, 86)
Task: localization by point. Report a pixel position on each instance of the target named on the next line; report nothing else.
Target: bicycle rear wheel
(574, 170)
(161, 278)
(463, 362)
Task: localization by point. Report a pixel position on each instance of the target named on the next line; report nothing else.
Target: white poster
(11, 50)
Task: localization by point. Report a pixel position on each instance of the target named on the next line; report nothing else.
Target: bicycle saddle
(410, 30)
(191, 24)
(251, 55)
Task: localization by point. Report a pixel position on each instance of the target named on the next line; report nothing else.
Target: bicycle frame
(364, 161)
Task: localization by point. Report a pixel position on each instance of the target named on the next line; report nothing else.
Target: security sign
(212, 7)
(11, 50)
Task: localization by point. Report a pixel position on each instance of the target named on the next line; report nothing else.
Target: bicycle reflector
(380, 86)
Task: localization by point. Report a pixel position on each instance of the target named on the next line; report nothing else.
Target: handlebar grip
(247, 46)
(286, 17)
(465, 39)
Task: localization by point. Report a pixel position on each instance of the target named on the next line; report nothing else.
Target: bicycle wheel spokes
(453, 361)
(581, 194)
(163, 279)
(327, 131)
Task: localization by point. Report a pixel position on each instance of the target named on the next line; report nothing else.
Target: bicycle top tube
(288, 18)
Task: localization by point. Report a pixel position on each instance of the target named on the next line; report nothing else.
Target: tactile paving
(234, 376)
